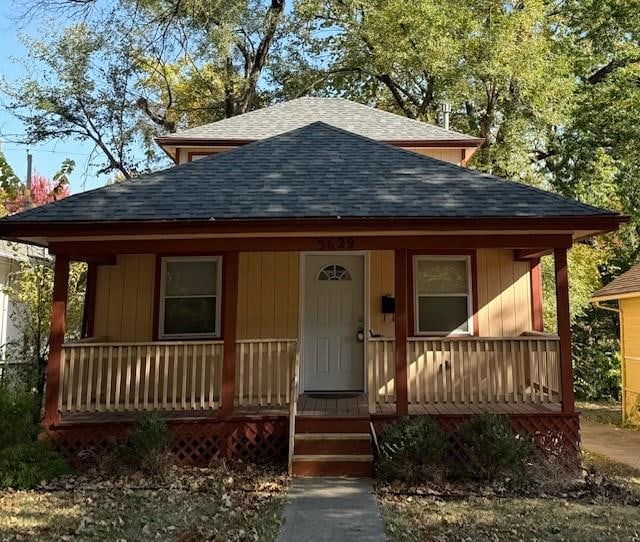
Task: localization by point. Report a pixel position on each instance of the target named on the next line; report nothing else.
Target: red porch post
(402, 331)
(230, 312)
(564, 328)
(58, 317)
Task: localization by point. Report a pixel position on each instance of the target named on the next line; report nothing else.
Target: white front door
(333, 354)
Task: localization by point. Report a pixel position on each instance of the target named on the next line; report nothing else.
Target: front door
(333, 323)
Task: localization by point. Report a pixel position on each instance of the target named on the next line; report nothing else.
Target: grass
(609, 413)
(496, 519)
(189, 506)
(611, 512)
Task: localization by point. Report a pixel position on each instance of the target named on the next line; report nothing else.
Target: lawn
(601, 412)
(610, 512)
(188, 505)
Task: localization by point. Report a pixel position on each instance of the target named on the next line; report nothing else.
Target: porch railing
(102, 376)
(263, 371)
(469, 370)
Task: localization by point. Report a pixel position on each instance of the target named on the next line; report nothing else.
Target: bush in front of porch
(417, 449)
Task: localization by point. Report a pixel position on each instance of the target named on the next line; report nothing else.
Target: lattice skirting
(556, 435)
(193, 443)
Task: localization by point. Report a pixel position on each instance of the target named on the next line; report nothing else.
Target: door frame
(364, 254)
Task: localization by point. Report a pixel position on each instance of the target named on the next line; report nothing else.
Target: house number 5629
(336, 243)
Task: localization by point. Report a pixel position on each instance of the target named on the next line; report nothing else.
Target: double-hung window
(190, 297)
(442, 288)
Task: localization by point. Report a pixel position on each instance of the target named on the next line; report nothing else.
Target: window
(190, 297)
(334, 272)
(442, 286)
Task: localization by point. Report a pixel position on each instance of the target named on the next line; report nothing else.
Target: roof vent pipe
(446, 111)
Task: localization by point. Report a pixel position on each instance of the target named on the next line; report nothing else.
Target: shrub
(26, 465)
(19, 412)
(412, 450)
(147, 445)
(491, 449)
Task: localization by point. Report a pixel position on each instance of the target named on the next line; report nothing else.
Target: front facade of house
(625, 289)
(305, 270)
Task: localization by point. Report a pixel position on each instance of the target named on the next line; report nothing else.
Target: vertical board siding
(124, 299)
(268, 295)
(504, 293)
(381, 282)
(453, 156)
(630, 323)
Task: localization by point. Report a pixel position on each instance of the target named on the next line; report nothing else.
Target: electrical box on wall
(388, 304)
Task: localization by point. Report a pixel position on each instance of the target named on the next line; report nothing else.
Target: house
(626, 290)
(11, 328)
(305, 273)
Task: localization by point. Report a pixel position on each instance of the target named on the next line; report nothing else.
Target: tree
(80, 86)
(30, 288)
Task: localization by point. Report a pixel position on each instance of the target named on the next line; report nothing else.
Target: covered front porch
(258, 360)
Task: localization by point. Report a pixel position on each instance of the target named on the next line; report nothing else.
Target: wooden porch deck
(331, 407)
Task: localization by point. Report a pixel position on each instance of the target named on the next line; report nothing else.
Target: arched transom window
(334, 272)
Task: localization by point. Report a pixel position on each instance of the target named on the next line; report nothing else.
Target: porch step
(333, 444)
(332, 447)
(333, 465)
(310, 424)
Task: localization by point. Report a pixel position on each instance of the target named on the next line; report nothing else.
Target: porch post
(56, 339)
(230, 312)
(401, 324)
(564, 328)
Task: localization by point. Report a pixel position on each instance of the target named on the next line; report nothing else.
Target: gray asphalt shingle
(345, 114)
(317, 171)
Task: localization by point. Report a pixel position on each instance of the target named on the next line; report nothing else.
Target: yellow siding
(504, 294)
(381, 282)
(268, 295)
(630, 323)
(453, 156)
(124, 299)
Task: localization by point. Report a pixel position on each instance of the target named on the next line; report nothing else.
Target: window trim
(469, 295)
(216, 334)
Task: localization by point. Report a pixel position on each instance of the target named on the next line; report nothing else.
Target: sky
(47, 157)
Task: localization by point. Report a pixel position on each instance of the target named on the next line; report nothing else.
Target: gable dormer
(363, 120)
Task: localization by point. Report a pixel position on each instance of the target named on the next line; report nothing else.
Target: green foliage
(26, 465)
(31, 289)
(24, 460)
(412, 450)
(596, 358)
(147, 445)
(19, 415)
(492, 451)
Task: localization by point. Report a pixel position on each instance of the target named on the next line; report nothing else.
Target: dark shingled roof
(625, 284)
(317, 171)
(345, 114)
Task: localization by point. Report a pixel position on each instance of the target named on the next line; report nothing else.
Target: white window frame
(416, 296)
(163, 275)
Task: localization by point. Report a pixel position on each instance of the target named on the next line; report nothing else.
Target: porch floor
(330, 407)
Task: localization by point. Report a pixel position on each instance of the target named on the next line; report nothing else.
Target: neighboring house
(318, 238)
(12, 255)
(9, 333)
(626, 290)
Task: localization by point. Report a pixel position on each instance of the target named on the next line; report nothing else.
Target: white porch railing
(469, 370)
(114, 377)
(263, 371)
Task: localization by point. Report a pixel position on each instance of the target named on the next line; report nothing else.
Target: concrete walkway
(621, 445)
(332, 510)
